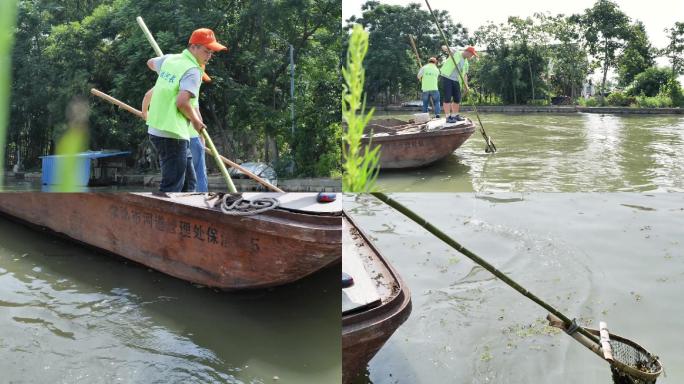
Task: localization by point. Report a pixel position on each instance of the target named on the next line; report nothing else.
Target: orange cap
(205, 37)
(471, 50)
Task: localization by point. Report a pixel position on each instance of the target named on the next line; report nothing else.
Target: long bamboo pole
(205, 134)
(237, 166)
(490, 147)
(480, 261)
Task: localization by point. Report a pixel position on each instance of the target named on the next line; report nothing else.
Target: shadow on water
(79, 312)
(451, 173)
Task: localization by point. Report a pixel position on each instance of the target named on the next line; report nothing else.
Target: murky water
(558, 153)
(69, 314)
(598, 257)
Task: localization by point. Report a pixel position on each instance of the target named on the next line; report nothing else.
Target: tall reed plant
(70, 167)
(8, 10)
(360, 163)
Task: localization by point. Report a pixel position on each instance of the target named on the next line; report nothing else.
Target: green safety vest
(430, 77)
(448, 68)
(163, 114)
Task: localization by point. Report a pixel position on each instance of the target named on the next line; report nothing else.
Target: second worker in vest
(174, 113)
(428, 76)
(451, 81)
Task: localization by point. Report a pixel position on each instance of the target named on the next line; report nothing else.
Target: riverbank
(546, 109)
(216, 182)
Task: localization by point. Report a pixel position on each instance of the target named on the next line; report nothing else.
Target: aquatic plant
(73, 141)
(7, 21)
(360, 164)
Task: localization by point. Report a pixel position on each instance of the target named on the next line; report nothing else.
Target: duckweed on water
(539, 328)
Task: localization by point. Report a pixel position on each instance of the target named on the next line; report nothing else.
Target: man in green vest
(451, 80)
(173, 116)
(428, 76)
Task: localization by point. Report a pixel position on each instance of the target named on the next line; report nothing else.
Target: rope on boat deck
(234, 204)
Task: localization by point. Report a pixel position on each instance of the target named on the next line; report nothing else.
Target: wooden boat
(411, 145)
(184, 236)
(374, 307)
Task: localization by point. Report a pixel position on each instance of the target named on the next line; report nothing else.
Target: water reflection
(559, 153)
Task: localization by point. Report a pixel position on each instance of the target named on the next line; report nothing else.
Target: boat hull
(198, 244)
(418, 149)
(365, 332)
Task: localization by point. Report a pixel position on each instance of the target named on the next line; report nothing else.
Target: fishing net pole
(630, 363)
(490, 147)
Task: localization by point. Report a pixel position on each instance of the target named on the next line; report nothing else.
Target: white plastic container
(421, 118)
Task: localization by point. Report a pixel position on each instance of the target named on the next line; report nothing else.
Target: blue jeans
(175, 160)
(199, 163)
(435, 100)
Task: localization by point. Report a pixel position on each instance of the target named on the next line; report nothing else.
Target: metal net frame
(632, 363)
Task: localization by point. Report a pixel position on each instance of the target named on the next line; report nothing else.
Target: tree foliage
(606, 31)
(637, 56)
(569, 65)
(649, 83)
(675, 48)
(515, 66)
(391, 66)
(66, 47)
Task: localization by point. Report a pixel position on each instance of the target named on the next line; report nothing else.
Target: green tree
(65, 48)
(650, 82)
(606, 31)
(515, 65)
(569, 64)
(675, 48)
(391, 65)
(637, 56)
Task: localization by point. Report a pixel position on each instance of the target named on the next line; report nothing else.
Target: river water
(69, 314)
(614, 257)
(541, 152)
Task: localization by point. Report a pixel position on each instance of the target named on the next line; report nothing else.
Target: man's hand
(198, 125)
(444, 48)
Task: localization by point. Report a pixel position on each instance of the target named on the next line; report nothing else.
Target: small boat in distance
(186, 236)
(373, 307)
(412, 145)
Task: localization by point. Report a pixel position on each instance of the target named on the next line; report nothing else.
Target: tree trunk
(605, 71)
(271, 150)
(531, 79)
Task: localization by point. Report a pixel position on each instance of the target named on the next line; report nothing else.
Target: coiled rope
(234, 204)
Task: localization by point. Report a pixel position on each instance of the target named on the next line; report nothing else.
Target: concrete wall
(547, 109)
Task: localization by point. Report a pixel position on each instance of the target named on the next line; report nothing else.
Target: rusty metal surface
(364, 333)
(201, 245)
(412, 148)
